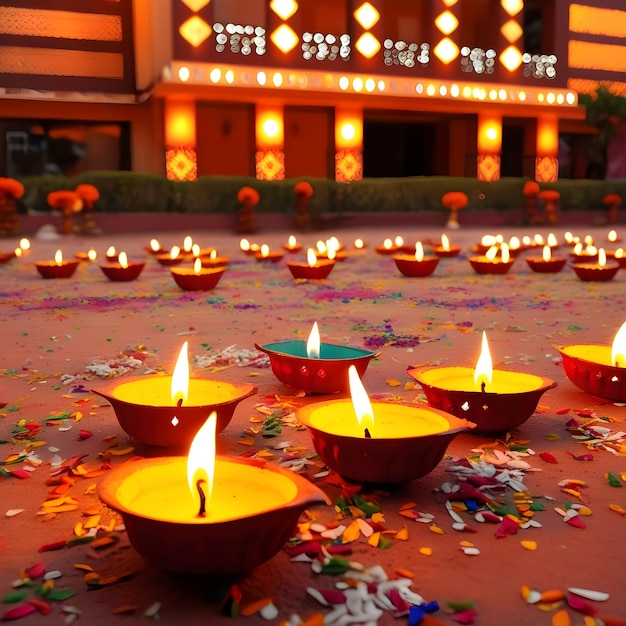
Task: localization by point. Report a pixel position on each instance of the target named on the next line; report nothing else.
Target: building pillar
(489, 146)
(546, 161)
(181, 161)
(348, 145)
(270, 141)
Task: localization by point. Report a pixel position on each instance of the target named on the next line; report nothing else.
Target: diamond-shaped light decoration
(367, 45)
(284, 38)
(284, 8)
(196, 5)
(450, 3)
(511, 31)
(511, 58)
(512, 7)
(446, 22)
(367, 15)
(446, 50)
(195, 30)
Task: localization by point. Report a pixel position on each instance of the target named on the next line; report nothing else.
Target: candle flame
(360, 400)
(291, 242)
(526, 240)
(92, 255)
(504, 253)
(612, 236)
(588, 240)
(618, 351)
(491, 253)
(601, 257)
(331, 254)
(311, 257)
(591, 250)
(58, 257)
(619, 253)
(201, 459)
(569, 238)
(419, 251)
(18, 252)
(155, 246)
(180, 377)
(488, 240)
(547, 253)
(552, 241)
(265, 250)
(111, 252)
(538, 240)
(244, 245)
(313, 343)
(321, 247)
(445, 242)
(197, 266)
(122, 259)
(514, 243)
(484, 366)
(187, 243)
(213, 254)
(399, 241)
(387, 244)
(195, 249)
(499, 238)
(578, 248)
(174, 252)
(358, 244)
(24, 244)
(333, 242)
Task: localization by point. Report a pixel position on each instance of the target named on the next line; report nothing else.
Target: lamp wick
(179, 402)
(202, 511)
(482, 387)
(367, 434)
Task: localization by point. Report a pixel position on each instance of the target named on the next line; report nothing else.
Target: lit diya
(314, 366)
(416, 265)
(168, 410)
(90, 255)
(197, 278)
(495, 400)
(213, 259)
(5, 257)
(584, 253)
(378, 442)
(359, 244)
(619, 256)
(207, 514)
(173, 257)
(59, 268)
(390, 246)
(249, 248)
(265, 255)
(313, 269)
(601, 271)
(155, 247)
(491, 263)
(613, 237)
(546, 264)
(331, 249)
(598, 369)
(444, 249)
(292, 245)
(111, 253)
(124, 270)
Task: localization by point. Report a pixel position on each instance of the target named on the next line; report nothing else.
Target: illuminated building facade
(325, 88)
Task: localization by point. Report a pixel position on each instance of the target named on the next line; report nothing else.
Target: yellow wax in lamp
(614, 355)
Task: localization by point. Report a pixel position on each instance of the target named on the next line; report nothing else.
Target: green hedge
(125, 192)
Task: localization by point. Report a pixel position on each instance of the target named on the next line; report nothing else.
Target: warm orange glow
(265, 250)
(511, 58)
(546, 169)
(92, 255)
(213, 255)
(348, 165)
(552, 241)
(244, 244)
(195, 31)
(284, 8)
(618, 350)
(359, 244)
(292, 241)
(187, 243)
(512, 7)
(488, 167)
(399, 241)
(601, 257)
(387, 244)
(483, 372)
(360, 400)
(197, 266)
(18, 252)
(367, 15)
(445, 242)
(446, 50)
(489, 134)
(180, 123)
(446, 22)
(597, 56)
(181, 163)
(367, 45)
(58, 257)
(180, 377)
(195, 249)
(311, 257)
(201, 460)
(24, 244)
(348, 128)
(492, 253)
(313, 343)
(419, 251)
(270, 164)
(511, 31)
(619, 253)
(122, 259)
(548, 135)
(612, 236)
(284, 38)
(348, 131)
(505, 255)
(174, 252)
(155, 246)
(269, 127)
(597, 21)
(196, 5)
(547, 253)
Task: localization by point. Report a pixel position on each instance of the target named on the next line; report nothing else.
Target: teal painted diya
(313, 366)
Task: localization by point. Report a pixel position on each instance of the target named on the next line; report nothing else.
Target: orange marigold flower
(531, 189)
(87, 192)
(612, 198)
(248, 195)
(65, 201)
(454, 200)
(303, 189)
(549, 195)
(11, 187)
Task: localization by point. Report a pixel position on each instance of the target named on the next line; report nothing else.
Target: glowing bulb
(313, 343)
(358, 244)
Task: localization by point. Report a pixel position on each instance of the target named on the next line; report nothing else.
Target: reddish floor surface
(52, 329)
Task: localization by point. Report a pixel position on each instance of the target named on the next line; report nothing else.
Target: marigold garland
(11, 187)
(248, 195)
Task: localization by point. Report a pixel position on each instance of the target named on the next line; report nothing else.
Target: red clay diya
(155, 247)
(598, 369)
(444, 249)
(57, 268)
(5, 257)
(123, 270)
(618, 256)
(378, 442)
(390, 247)
(251, 511)
(326, 373)
(495, 400)
(197, 278)
(265, 255)
(292, 245)
(601, 271)
(90, 255)
(490, 263)
(212, 260)
(173, 257)
(313, 269)
(584, 254)
(417, 264)
(546, 264)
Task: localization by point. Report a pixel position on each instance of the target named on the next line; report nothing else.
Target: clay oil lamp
(584, 253)
(546, 264)
(619, 256)
(491, 263)
(249, 248)
(173, 257)
(167, 411)
(598, 369)
(197, 278)
(444, 249)
(59, 268)
(90, 255)
(390, 246)
(24, 246)
(186, 250)
(124, 270)
(315, 366)
(552, 241)
(5, 257)
(417, 264)
(266, 255)
(601, 271)
(515, 246)
(613, 237)
(495, 400)
(570, 239)
(111, 254)
(359, 244)
(486, 242)
(313, 269)
(213, 259)
(378, 442)
(205, 513)
(155, 247)
(332, 249)
(292, 245)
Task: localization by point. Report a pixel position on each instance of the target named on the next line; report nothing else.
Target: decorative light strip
(206, 74)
